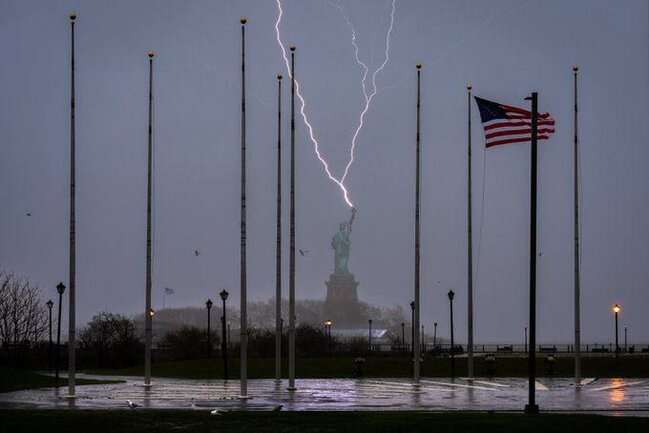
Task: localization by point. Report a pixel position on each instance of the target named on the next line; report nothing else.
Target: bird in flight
(28, 214)
(304, 252)
(197, 253)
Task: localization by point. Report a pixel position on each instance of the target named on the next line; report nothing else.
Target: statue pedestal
(341, 304)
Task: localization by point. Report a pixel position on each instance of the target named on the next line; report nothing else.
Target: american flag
(506, 124)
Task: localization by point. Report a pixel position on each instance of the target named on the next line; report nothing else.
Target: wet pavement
(609, 396)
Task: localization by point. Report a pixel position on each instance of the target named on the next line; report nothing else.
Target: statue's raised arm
(351, 219)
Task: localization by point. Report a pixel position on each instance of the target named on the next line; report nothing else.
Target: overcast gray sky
(505, 48)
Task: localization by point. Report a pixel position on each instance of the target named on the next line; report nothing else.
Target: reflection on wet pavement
(628, 396)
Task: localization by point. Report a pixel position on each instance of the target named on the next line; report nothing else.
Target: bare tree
(23, 314)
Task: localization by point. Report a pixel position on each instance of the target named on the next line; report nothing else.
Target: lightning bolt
(368, 95)
(316, 145)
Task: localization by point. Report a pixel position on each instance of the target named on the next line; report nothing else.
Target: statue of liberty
(341, 244)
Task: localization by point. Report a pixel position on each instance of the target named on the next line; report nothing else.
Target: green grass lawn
(358, 422)
(15, 380)
(392, 366)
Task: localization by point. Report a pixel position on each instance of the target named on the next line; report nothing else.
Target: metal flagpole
(278, 252)
(575, 70)
(148, 319)
(291, 275)
(416, 347)
(73, 235)
(531, 406)
(469, 269)
(243, 264)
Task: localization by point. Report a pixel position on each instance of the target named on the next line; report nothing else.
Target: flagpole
(243, 262)
(291, 275)
(532, 407)
(416, 347)
(278, 252)
(148, 319)
(469, 243)
(72, 283)
(575, 70)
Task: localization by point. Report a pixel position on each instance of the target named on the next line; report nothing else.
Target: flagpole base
(532, 409)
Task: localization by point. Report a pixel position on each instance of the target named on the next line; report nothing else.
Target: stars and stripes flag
(505, 124)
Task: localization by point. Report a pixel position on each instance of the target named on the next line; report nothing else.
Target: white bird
(217, 412)
(277, 408)
(132, 405)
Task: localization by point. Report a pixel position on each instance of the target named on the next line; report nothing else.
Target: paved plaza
(609, 396)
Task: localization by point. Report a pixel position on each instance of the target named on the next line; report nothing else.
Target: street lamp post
(60, 288)
(403, 336)
(412, 329)
(625, 340)
(49, 347)
(328, 331)
(224, 345)
(434, 335)
(616, 310)
(451, 295)
(526, 339)
(209, 304)
(369, 339)
(423, 339)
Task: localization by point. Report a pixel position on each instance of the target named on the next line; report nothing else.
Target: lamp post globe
(60, 288)
(224, 295)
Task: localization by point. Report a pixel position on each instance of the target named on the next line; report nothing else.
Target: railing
(540, 348)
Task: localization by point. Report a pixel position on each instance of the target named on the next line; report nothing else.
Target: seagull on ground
(217, 412)
(132, 405)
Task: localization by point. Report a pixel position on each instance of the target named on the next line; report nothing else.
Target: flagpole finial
(73, 16)
(575, 68)
(469, 87)
(279, 76)
(418, 65)
(151, 54)
(292, 48)
(243, 20)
